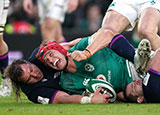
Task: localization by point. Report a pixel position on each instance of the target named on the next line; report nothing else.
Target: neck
(71, 67)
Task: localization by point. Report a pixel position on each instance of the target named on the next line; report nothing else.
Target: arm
(100, 39)
(28, 6)
(97, 98)
(70, 44)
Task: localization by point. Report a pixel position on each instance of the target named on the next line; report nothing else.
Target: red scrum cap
(45, 48)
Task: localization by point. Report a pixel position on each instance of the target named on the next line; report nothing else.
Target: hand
(72, 5)
(77, 55)
(99, 98)
(28, 6)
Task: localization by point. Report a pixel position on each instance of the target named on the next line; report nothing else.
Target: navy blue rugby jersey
(151, 85)
(44, 90)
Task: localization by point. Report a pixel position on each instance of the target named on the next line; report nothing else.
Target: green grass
(25, 107)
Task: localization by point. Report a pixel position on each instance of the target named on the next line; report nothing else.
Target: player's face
(55, 60)
(31, 73)
(134, 90)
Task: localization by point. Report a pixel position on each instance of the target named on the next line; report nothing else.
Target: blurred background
(22, 31)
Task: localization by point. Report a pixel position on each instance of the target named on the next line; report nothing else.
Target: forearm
(96, 98)
(74, 42)
(101, 39)
(97, 41)
(62, 97)
(70, 44)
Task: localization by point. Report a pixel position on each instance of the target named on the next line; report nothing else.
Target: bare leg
(51, 30)
(148, 26)
(5, 88)
(155, 61)
(4, 47)
(113, 23)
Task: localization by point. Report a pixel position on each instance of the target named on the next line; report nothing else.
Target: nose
(34, 75)
(50, 60)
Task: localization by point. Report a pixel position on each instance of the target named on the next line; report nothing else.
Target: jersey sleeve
(43, 95)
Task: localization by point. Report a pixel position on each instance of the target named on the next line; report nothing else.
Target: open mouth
(55, 62)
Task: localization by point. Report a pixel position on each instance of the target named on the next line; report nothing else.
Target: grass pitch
(24, 107)
(8, 106)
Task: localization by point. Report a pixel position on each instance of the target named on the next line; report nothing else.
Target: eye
(46, 61)
(50, 54)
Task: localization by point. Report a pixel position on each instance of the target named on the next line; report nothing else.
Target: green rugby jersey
(103, 63)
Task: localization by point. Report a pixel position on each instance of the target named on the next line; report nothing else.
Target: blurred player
(52, 14)
(5, 88)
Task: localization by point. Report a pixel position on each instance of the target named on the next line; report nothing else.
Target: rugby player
(52, 14)
(5, 88)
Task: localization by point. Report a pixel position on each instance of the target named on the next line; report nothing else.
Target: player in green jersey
(104, 64)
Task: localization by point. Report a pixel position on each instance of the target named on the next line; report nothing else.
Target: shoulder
(33, 55)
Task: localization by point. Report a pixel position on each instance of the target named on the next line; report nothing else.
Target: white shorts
(4, 5)
(132, 9)
(52, 8)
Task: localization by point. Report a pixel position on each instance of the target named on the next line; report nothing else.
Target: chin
(61, 67)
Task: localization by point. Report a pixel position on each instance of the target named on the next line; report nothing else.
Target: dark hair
(128, 98)
(14, 72)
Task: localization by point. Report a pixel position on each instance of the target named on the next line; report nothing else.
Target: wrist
(87, 53)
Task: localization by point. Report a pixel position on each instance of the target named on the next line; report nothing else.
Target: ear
(140, 99)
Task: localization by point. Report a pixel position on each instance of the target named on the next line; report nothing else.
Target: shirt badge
(88, 67)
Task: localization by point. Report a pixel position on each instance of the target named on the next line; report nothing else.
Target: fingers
(98, 90)
(98, 98)
(106, 97)
(69, 54)
(107, 100)
(77, 55)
